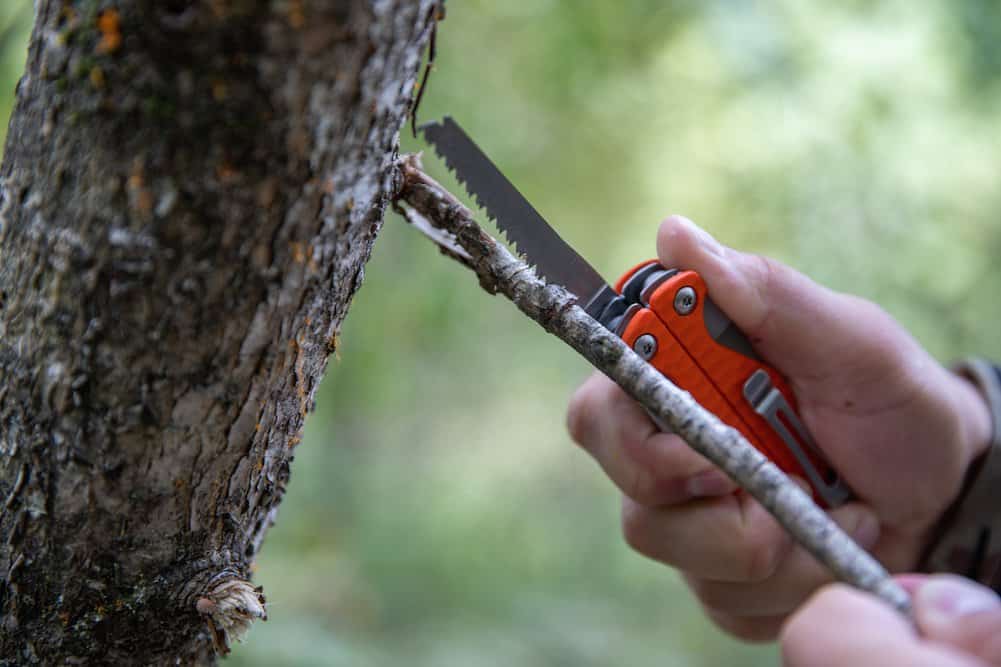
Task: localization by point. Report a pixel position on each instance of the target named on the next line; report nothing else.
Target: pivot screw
(684, 301)
(645, 346)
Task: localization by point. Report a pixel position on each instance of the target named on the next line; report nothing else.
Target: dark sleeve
(968, 539)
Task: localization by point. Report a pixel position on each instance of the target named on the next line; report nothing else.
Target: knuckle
(632, 433)
(630, 446)
(712, 595)
(748, 629)
(581, 416)
(578, 425)
(591, 405)
(767, 270)
(761, 557)
(636, 528)
(646, 487)
(641, 486)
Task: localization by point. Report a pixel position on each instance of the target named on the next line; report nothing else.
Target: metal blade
(521, 223)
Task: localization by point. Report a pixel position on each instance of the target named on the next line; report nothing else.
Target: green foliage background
(438, 514)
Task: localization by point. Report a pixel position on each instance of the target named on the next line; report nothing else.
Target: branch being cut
(445, 220)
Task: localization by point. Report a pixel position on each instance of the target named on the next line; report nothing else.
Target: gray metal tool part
(522, 225)
(769, 402)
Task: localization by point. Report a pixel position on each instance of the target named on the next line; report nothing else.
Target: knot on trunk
(230, 605)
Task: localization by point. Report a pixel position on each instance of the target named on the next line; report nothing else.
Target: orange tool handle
(672, 323)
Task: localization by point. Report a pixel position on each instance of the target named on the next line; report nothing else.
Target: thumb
(956, 611)
(802, 328)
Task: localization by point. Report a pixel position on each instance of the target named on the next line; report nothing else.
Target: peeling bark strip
(435, 209)
(189, 192)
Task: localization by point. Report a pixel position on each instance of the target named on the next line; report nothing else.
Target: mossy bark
(189, 192)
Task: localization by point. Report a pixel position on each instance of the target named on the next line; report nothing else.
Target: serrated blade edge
(554, 259)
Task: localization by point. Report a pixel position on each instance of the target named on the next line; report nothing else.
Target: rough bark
(190, 190)
(451, 225)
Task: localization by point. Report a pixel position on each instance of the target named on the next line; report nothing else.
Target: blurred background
(438, 513)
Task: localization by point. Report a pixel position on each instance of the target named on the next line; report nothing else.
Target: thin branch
(556, 311)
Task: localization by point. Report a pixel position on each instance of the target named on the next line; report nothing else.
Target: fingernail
(867, 530)
(711, 483)
(948, 597)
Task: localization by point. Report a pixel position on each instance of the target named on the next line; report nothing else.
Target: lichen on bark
(190, 190)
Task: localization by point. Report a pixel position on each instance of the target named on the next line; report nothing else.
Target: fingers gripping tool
(666, 315)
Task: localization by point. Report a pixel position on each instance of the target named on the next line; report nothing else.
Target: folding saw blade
(554, 259)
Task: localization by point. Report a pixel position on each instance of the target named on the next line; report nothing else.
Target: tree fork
(189, 193)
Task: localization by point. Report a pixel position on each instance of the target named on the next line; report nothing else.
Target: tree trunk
(189, 191)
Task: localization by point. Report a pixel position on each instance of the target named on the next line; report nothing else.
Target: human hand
(899, 428)
(959, 624)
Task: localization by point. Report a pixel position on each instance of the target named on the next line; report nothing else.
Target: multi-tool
(665, 314)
